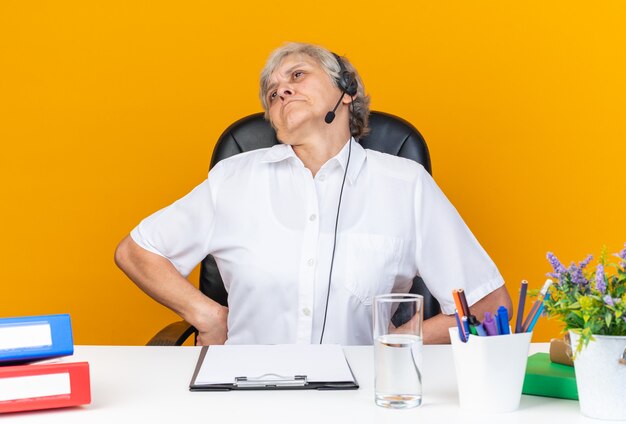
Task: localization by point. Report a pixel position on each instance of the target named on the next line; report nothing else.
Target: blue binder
(25, 339)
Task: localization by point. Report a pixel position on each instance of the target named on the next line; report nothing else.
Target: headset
(348, 84)
(347, 80)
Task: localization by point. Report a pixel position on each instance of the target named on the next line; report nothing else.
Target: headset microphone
(330, 116)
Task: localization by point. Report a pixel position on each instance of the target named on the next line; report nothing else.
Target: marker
(473, 320)
(503, 320)
(473, 324)
(489, 324)
(460, 327)
(535, 318)
(520, 306)
(480, 329)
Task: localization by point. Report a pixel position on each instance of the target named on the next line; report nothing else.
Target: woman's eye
(272, 96)
(297, 74)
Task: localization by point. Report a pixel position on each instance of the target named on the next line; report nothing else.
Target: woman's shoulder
(239, 163)
(244, 158)
(391, 164)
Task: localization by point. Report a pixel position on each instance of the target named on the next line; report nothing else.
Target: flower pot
(601, 377)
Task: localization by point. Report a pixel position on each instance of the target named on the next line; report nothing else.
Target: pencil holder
(490, 370)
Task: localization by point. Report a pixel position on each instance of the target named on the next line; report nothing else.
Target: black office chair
(389, 134)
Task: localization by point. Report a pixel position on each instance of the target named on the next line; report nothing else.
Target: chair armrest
(174, 334)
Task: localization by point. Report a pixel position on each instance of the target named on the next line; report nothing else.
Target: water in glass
(398, 370)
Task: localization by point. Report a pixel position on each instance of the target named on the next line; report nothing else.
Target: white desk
(150, 385)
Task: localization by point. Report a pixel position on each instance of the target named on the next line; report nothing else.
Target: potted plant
(592, 305)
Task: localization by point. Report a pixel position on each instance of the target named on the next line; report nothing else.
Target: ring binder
(30, 338)
(271, 380)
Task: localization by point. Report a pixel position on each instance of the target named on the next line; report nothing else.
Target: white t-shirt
(270, 225)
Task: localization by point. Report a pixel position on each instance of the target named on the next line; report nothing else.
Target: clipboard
(272, 367)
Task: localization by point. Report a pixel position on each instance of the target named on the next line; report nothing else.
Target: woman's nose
(285, 91)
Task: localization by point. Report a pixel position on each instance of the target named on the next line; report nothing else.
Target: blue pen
(466, 327)
(460, 327)
(503, 320)
(535, 318)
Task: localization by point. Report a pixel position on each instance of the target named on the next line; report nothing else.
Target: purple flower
(588, 259)
(611, 301)
(600, 281)
(576, 274)
(559, 269)
(622, 256)
(571, 269)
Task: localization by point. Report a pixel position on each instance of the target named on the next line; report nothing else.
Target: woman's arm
(158, 278)
(436, 328)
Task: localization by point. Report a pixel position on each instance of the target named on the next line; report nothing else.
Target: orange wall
(109, 111)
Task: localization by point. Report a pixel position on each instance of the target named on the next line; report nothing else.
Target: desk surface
(150, 384)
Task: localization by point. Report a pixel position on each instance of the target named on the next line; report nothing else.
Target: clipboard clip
(271, 380)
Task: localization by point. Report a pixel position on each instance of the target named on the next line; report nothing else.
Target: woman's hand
(214, 329)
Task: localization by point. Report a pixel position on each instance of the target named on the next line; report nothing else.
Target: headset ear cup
(351, 84)
(347, 83)
(347, 80)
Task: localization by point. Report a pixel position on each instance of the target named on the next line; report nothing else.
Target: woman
(305, 233)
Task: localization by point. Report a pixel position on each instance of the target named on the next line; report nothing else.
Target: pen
(503, 320)
(489, 324)
(520, 306)
(460, 327)
(466, 328)
(535, 318)
(538, 302)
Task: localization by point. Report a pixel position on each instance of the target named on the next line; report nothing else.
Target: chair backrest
(389, 134)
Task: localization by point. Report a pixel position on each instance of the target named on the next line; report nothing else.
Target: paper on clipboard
(319, 363)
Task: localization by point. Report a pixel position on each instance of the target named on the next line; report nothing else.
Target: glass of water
(398, 349)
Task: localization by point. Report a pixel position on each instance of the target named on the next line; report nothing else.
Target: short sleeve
(448, 256)
(182, 231)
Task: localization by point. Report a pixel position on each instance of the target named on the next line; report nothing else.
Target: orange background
(109, 111)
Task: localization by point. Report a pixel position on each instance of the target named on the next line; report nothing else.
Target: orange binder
(44, 386)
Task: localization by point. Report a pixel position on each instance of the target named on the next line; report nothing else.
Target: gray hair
(359, 115)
